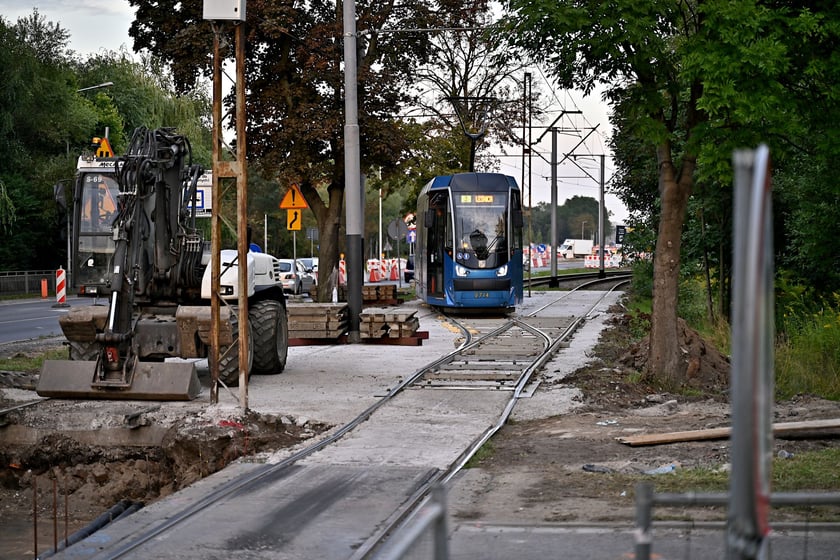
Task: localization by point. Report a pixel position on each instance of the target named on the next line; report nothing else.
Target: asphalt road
(27, 319)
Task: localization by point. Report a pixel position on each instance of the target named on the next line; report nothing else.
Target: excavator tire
(270, 329)
(84, 351)
(229, 355)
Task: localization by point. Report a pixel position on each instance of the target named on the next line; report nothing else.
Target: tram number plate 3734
(481, 295)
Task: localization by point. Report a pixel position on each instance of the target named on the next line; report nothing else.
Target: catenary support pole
(601, 236)
(553, 243)
(353, 193)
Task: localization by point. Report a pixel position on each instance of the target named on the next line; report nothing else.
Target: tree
(469, 84)
(143, 94)
(691, 81)
(40, 117)
(295, 89)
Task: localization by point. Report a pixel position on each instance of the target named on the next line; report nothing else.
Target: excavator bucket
(154, 381)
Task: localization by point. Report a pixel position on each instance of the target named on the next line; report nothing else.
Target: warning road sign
(293, 200)
(293, 220)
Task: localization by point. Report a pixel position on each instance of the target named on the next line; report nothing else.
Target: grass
(808, 358)
(31, 363)
(807, 349)
(813, 470)
(809, 471)
(484, 452)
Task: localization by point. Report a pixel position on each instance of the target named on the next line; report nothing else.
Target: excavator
(144, 343)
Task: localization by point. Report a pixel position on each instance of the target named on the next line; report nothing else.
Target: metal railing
(26, 282)
(646, 499)
(428, 523)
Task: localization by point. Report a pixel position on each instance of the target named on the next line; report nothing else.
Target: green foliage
(143, 95)
(577, 216)
(45, 123)
(692, 300)
(642, 283)
(808, 354)
(7, 210)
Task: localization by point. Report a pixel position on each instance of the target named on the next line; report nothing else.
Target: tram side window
(516, 221)
(439, 222)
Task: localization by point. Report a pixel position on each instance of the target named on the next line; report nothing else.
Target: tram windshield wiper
(478, 241)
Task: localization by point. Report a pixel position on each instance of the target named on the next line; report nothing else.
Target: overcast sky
(103, 24)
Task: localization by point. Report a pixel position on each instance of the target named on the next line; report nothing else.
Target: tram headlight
(461, 270)
(502, 270)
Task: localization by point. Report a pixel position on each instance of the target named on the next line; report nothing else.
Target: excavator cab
(152, 281)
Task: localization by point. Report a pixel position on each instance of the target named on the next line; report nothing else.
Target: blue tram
(469, 242)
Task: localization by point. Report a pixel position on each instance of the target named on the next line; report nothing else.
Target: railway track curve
(344, 495)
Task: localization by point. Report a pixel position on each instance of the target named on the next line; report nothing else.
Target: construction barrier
(594, 261)
(373, 270)
(61, 287)
(342, 273)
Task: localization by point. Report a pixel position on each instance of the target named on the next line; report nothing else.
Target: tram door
(439, 236)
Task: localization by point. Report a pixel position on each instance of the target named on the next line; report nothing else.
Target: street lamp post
(97, 86)
(583, 223)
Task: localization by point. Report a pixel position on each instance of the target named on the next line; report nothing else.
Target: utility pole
(353, 192)
(237, 170)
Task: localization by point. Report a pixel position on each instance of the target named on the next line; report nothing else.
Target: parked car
(295, 278)
(311, 265)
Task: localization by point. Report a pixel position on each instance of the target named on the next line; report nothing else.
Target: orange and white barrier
(61, 287)
(373, 270)
(342, 273)
(594, 261)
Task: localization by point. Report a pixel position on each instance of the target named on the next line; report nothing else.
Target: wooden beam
(799, 429)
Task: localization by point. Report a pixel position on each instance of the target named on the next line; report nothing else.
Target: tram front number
(480, 295)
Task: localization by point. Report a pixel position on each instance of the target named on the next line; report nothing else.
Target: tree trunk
(329, 217)
(665, 364)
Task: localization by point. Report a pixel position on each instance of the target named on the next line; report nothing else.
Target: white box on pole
(224, 9)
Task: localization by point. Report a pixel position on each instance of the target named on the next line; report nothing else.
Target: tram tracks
(496, 361)
(555, 335)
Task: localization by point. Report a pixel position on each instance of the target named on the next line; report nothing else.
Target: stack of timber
(375, 294)
(391, 326)
(316, 323)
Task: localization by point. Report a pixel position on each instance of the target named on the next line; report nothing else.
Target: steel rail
(260, 475)
(404, 517)
(6, 411)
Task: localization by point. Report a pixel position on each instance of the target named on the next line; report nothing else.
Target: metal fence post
(644, 506)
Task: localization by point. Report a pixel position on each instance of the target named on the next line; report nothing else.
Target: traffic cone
(395, 275)
(374, 277)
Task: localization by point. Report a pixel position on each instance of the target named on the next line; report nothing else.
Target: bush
(808, 356)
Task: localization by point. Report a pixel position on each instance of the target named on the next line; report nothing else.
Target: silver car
(311, 265)
(295, 278)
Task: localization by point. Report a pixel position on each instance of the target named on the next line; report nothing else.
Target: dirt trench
(58, 485)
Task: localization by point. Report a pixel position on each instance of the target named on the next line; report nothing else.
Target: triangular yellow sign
(104, 148)
(293, 200)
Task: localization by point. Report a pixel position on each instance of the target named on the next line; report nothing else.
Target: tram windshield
(481, 229)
